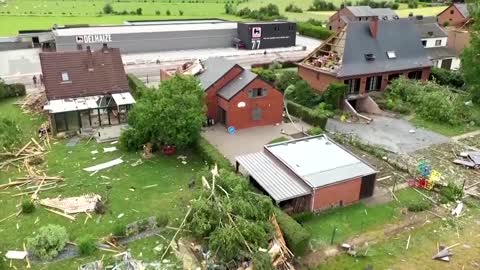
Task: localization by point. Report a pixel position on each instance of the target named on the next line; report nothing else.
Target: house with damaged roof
(85, 89)
(234, 96)
(457, 14)
(348, 14)
(435, 41)
(366, 56)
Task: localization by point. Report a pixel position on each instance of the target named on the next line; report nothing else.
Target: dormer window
(391, 55)
(65, 76)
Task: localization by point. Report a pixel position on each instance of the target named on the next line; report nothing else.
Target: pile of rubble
(33, 102)
(470, 159)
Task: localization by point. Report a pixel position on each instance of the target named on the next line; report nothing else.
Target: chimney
(89, 59)
(105, 48)
(374, 26)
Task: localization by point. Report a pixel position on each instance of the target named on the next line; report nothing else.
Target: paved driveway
(389, 133)
(249, 140)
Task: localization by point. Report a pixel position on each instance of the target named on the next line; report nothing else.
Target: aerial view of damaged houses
(240, 134)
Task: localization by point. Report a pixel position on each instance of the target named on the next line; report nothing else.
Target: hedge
(211, 155)
(296, 236)
(136, 85)
(12, 90)
(306, 114)
(315, 31)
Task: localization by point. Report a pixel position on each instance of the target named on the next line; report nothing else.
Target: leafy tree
(286, 79)
(266, 74)
(48, 242)
(86, 245)
(168, 12)
(470, 55)
(303, 94)
(173, 115)
(293, 8)
(9, 133)
(334, 94)
(139, 11)
(322, 5)
(108, 9)
(180, 12)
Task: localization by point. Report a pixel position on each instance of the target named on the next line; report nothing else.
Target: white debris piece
(109, 149)
(104, 165)
(456, 212)
(16, 255)
(94, 152)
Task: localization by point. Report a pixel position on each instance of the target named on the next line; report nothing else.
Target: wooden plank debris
(16, 255)
(105, 165)
(61, 214)
(73, 205)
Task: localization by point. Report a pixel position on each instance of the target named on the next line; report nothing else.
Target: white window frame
(65, 76)
(438, 42)
(391, 54)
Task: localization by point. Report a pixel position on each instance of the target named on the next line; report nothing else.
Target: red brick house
(456, 14)
(367, 56)
(309, 174)
(85, 89)
(339, 20)
(236, 97)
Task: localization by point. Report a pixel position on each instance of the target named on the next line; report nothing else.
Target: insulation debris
(72, 205)
(104, 165)
(16, 255)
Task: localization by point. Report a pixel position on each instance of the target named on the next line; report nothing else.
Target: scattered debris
(104, 165)
(114, 142)
(94, 152)
(136, 163)
(73, 205)
(458, 209)
(469, 159)
(109, 149)
(16, 255)
(96, 265)
(150, 186)
(121, 215)
(73, 141)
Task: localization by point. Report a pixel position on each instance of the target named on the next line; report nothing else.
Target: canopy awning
(85, 103)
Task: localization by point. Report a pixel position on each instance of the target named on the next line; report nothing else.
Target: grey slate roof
(279, 184)
(237, 84)
(428, 27)
(441, 53)
(215, 68)
(463, 9)
(366, 11)
(400, 36)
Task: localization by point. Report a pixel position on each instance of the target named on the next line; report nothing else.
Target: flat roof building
(309, 174)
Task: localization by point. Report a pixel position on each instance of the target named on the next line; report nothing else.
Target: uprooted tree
(172, 115)
(232, 220)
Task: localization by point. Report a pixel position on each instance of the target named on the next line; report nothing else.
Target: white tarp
(16, 255)
(104, 165)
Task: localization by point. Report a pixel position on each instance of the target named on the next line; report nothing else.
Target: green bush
(322, 5)
(314, 31)
(303, 94)
(306, 114)
(447, 77)
(418, 205)
(120, 230)
(296, 237)
(267, 75)
(334, 94)
(11, 90)
(48, 241)
(136, 85)
(162, 220)
(451, 192)
(285, 79)
(86, 245)
(278, 140)
(211, 155)
(28, 207)
(315, 131)
(303, 217)
(9, 133)
(293, 8)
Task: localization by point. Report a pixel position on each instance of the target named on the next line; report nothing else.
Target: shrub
(285, 79)
(293, 8)
(315, 131)
(303, 94)
(447, 77)
(296, 237)
(266, 74)
(334, 94)
(418, 205)
(322, 5)
(211, 155)
(180, 12)
(315, 22)
(48, 242)
(158, 14)
(306, 114)
(9, 133)
(314, 31)
(162, 220)
(451, 192)
(168, 12)
(28, 207)
(86, 245)
(303, 217)
(119, 230)
(108, 9)
(278, 140)
(136, 85)
(446, 24)
(139, 11)
(11, 90)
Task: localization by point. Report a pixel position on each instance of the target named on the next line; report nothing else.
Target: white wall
(455, 63)
(431, 42)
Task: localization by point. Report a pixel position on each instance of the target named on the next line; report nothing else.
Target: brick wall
(318, 81)
(271, 106)
(455, 19)
(212, 99)
(348, 192)
(458, 39)
(336, 23)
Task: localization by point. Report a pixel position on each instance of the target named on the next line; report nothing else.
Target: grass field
(169, 196)
(43, 14)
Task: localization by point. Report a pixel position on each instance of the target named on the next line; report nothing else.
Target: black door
(367, 187)
(222, 116)
(447, 63)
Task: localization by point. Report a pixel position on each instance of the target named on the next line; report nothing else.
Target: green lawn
(392, 253)
(355, 219)
(170, 196)
(18, 15)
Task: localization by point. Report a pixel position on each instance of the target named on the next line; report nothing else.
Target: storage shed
(309, 174)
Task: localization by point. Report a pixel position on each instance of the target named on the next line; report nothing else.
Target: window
(79, 47)
(435, 63)
(257, 92)
(65, 77)
(257, 114)
(373, 83)
(415, 75)
(394, 76)
(438, 42)
(391, 55)
(424, 43)
(369, 56)
(353, 85)
(452, 11)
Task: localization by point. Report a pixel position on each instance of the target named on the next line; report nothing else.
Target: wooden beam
(61, 214)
